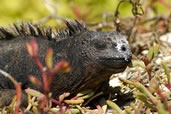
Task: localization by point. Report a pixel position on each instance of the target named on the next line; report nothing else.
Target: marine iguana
(93, 56)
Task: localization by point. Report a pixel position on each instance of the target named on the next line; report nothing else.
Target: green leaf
(49, 58)
(82, 93)
(74, 111)
(74, 102)
(150, 54)
(155, 49)
(114, 106)
(153, 52)
(161, 109)
(145, 91)
(138, 63)
(144, 99)
(166, 70)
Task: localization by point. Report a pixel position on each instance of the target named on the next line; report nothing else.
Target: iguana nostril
(109, 39)
(123, 48)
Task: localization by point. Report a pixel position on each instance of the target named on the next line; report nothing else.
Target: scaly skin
(93, 57)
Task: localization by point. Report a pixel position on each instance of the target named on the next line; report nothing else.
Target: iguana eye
(101, 45)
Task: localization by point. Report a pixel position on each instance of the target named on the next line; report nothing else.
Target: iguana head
(112, 50)
(108, 50)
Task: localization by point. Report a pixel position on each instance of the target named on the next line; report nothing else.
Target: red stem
(18, 97)
(44, 75)
(56, 102)
(99, 108)
(53, 71)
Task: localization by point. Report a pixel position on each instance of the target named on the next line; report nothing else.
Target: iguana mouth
(115, 63)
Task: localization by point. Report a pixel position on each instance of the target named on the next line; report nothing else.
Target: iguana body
(93, 56)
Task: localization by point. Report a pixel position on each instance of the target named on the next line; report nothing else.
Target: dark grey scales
(93, 57)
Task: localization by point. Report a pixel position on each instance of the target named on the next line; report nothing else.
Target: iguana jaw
(115, 63)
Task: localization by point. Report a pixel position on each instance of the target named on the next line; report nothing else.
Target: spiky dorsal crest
(73, 28)
(37, 30)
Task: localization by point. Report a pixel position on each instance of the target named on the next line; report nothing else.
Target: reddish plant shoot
(18, 97)
(145, 60)
(49, 58)
(164, 100)
(32, 48)
(168, 86)
(35, 80)
(62, 66)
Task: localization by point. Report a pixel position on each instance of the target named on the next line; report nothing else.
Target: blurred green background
(88, 10)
